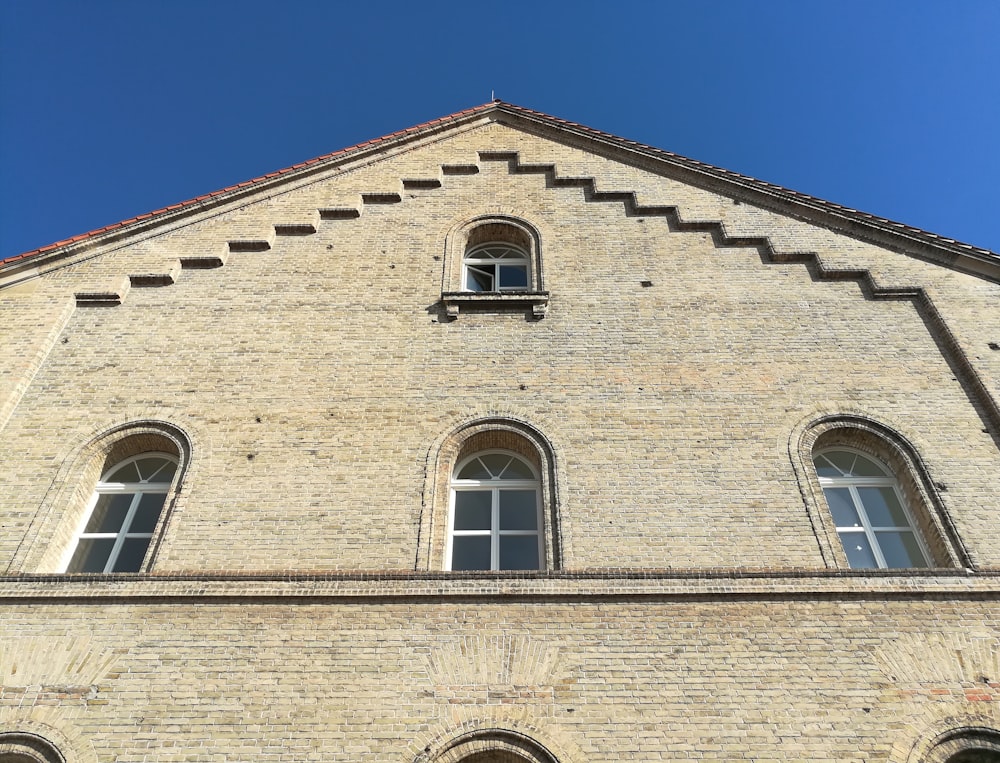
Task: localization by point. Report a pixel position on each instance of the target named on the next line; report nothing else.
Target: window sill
(495, 300)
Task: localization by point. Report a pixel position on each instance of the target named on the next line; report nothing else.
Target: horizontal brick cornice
(714, 585)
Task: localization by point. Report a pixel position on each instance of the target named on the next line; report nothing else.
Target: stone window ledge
(495, 300)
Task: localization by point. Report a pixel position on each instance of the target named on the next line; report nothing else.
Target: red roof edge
(769, 189)
(246, 183)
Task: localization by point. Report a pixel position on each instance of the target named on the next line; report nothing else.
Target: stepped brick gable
(500, 438)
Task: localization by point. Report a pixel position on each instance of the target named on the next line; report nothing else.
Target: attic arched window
(493, 263)
(873, 523)
(123, 514)
(495, 521)
(496, 266)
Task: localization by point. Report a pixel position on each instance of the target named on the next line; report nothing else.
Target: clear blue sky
(109, 109)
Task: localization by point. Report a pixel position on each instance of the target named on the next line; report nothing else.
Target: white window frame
(495, 486)
(852, 483)
(473, 259)
(138, 490)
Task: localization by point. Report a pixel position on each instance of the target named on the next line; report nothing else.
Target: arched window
(493, 263)
(461, 462)
(497, 266)
(123, 514)
(869, 511)
(871, 499)
(495, 520)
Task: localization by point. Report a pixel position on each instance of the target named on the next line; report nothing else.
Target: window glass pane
(883, 507)
(495, 462)
(131, 556)
(841, 459)
(479, 278)
(518, 552)
(865, 467)
(842, 507)
(156, 469)
(900, 549)
(109, 513)
(474, 470)
(858, 550)
(496, 252)
(91, 555)
(518, 510)
(824, 468)
(473, 509)
(148, 513)
(517, 470)
(127, 473)
(513, 277)
(470, 552)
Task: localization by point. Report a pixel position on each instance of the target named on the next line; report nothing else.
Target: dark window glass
(858, 550)
(148, 513)
(518, 552)
(470, 552)
(132, 553)
(109, 513)
(91, 555)
(518, 510)
(473, 510)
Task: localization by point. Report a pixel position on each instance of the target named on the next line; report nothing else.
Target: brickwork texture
(291, 346)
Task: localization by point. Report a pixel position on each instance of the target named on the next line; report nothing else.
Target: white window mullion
(495, 530)
(538, 529)
(120, 540)
(451, 529)
(859, 507)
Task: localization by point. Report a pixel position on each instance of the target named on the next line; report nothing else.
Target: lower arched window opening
(873, 523)
(123, 515)
(495, 521)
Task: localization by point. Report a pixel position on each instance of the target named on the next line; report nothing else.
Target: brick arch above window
(490, 746)
(483, 236)
(489, 434)
(911, 481)
(25, 747)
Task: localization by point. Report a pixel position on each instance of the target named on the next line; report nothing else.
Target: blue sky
(109, 109)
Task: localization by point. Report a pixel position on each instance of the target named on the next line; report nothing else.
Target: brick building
(501, 439)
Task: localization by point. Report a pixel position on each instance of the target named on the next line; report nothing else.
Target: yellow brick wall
(316, 381)
(327, 681)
